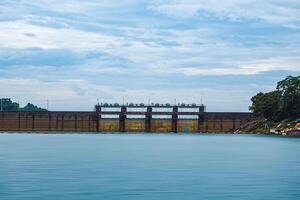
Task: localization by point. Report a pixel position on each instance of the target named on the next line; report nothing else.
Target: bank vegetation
(275, 110)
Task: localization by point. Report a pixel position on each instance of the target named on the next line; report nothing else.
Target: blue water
(148, 166)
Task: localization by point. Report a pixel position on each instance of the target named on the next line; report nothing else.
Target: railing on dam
(127, 118)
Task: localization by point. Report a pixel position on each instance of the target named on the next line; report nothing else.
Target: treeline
(9, 105)
(280, 104)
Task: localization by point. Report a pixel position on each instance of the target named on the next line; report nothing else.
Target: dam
(156, 118)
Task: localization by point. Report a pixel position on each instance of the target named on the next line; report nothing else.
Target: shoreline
(131, 133)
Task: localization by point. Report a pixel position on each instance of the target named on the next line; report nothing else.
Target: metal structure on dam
(128, 118)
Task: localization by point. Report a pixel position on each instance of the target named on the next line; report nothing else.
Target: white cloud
(105, 70)
(120, 43)
(258, 67)
(273, 11)
(145, 51)
(15, 35)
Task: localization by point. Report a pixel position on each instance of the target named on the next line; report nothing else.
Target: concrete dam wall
(205, 122)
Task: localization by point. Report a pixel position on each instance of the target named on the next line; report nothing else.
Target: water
(148, 166)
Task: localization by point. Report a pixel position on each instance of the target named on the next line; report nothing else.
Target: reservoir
(148, 166)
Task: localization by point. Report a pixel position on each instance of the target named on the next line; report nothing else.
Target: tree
(31, 107)
(289, 90)
(7, 105)
(283, 103)
(265, 105)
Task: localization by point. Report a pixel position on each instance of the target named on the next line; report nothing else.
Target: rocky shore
(264, 126)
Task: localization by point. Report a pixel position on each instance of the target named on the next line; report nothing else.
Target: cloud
(43, 57)
(78, 51)
(13, 35)
(143, 51)
(259, 67)
(272, 11)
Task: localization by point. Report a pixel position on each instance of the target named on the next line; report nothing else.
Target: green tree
(7, 105)
(289, 90)
(31, 107)
(283, 103)
(265, 105)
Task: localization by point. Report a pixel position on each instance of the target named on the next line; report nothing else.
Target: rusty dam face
(190, 118)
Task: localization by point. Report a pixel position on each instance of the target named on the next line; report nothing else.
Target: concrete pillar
(233, 123)
(63, 122)
(57, 122)
(89, 122)
(97, 109)
(201, 124)
(200, 119)
(97, 116)
(33, 119)
(76, 126)
(50, 120)
(174, 119)
(83, 128)
(202, 108)
(122, 118)
(19, 121)
(148, 118)
(221, 125)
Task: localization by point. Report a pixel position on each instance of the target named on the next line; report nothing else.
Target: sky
(74, 53)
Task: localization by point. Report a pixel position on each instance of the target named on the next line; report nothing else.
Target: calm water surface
(148, 166)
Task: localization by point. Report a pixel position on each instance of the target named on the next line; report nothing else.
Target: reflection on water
(148, 166)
